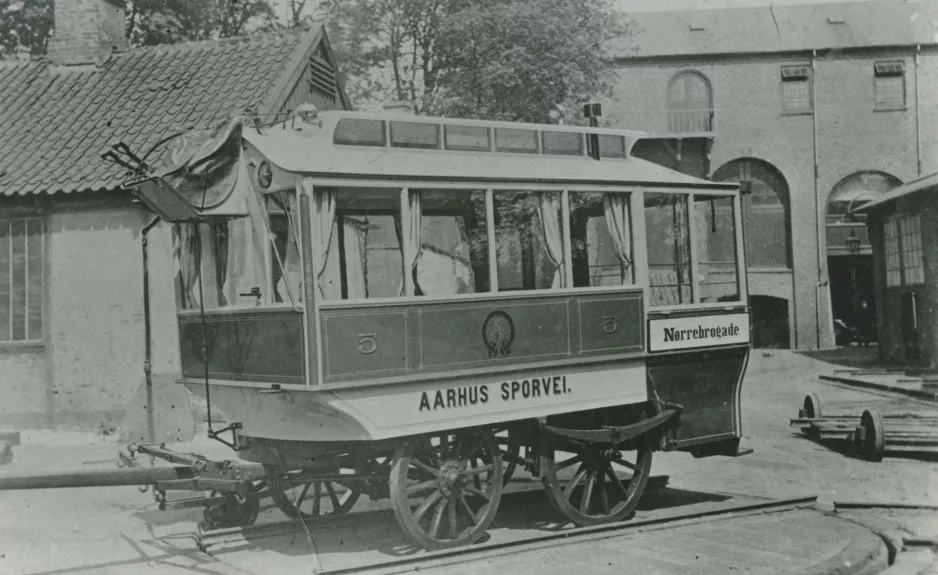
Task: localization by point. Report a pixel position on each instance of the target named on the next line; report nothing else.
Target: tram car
(418, 308)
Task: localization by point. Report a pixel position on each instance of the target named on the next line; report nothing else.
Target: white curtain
(412, 240)
(247, 242)
(616, 208)
(186, 262)
(291, 282)
(323, 217)
(549, 208)
(356, 260)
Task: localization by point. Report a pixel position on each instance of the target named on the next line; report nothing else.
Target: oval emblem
(498, 332)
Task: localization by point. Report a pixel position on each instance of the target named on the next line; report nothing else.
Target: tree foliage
(496, 59)
(25, 27)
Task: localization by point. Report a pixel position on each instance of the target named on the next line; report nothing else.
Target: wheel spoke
(453, 525)
(299, 500)
(333, 497)
(424, 467)
(423, 486)
(475, 448)
(478, 493)
(568, 462)
(467, 509)
(438, 518)
(601, 486)
(580, 474)
(427, 504)
(478, 470)
(625, 463)
(615, 481)
(588, 493)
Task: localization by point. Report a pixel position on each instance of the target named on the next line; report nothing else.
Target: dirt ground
(99, 530)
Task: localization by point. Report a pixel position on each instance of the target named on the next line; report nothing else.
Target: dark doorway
(910, 326)
(769, 322)
(852, 300)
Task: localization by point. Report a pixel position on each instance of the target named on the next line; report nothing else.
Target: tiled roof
(55, 122)
(780, 28)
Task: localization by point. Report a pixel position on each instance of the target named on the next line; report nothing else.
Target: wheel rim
(445, 489)
(596, 492)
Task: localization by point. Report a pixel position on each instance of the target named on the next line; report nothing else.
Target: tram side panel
(698, 359)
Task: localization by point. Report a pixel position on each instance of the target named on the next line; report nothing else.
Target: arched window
(690, 103)
(766, 212)
(850, 192)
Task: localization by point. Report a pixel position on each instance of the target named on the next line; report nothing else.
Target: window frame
(903, 252)
(792, 78)
(886, 70)
(639, 247)
(40, 340)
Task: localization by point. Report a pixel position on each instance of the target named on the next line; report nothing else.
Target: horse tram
(417, 308)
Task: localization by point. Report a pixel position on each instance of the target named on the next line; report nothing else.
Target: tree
(151, 22)
(497, 59)
(25, 27)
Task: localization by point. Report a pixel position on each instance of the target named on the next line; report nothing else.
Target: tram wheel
(873, 445)
(236, 511)
(445, 488)
(812, 406)
(297, 497)
(595, 494)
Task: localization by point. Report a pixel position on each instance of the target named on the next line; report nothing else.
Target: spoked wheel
(605, 486)
(445, 488)
(298, 497)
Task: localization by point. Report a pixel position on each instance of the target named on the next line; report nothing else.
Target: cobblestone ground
(48, 530)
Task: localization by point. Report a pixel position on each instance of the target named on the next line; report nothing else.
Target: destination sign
(667, 334)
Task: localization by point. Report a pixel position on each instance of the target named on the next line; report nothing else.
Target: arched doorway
(850, 256)
(690, 104)
(767, 223)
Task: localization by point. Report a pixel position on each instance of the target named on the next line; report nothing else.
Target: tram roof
(320, 151)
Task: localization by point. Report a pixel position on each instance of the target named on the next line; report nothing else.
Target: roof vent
(697, 27)
(835, 20)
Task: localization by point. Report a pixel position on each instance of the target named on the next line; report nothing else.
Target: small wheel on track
(445, 488)
(298, 497)
(812, 406)
(873, 445)
(236, 511)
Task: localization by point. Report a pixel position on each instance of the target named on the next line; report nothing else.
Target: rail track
(421, 561)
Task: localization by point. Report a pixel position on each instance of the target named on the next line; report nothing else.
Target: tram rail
(487, 550)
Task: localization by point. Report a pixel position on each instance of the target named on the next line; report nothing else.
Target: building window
(766, 212)
(850, 193)
(690, 104)
(889, 85)
(21, 263)
(796, 89)
(893, 267)
(913, 266)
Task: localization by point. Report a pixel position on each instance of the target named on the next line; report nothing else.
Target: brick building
(71, 301)
(821, 106)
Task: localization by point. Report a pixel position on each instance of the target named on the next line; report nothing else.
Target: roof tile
(55, 122)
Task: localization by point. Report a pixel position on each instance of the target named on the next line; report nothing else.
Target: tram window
(467, 138)
(415, 135)
(601, 239)
(201, 250)
(611, 146)
(715, 236)
(453, 256)
(562, 143)
(517, 141)
(668, 240)
(529, 240)
(359, 132)
(285, 268)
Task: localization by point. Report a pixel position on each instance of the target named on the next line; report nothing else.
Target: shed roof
(925, 184)
(55, 122)
(788, 28)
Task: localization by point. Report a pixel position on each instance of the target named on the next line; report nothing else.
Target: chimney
(87, 32)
